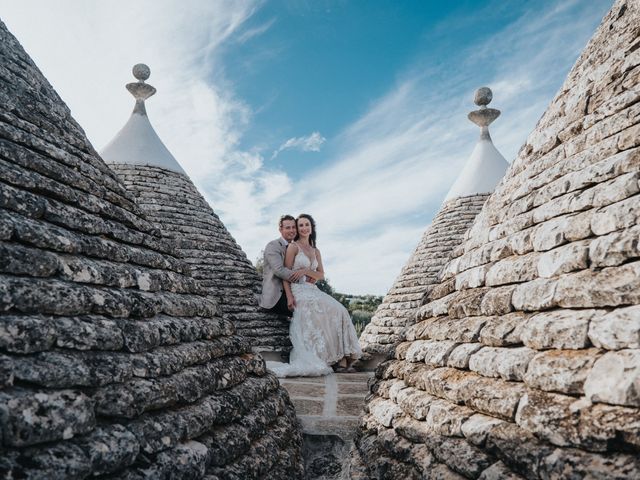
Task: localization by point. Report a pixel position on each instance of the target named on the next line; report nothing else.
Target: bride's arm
(289, 257)
(317, 274)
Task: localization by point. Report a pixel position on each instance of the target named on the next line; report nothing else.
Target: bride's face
(304, 227)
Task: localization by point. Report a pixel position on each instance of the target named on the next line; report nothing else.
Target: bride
(321, 331)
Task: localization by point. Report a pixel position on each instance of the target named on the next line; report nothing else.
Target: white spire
(137, 143)
(486, 165)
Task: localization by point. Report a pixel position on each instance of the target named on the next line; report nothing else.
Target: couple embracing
(322, 335)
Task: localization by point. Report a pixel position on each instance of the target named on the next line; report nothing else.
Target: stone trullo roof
(482, 171)
(486, 165)
(113, 360)
(525, 361)
(137, 143)
(170, 200)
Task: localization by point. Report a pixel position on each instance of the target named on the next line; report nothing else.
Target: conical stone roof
(137, 143)
(486, 165)
(525, 361)
(482, 171)
(397, 311)
(170, 199)
(113, 360)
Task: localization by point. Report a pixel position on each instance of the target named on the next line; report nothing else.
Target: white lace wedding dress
(321, 330)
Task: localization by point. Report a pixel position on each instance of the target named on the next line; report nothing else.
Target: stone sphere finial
(483, 96)
(484, 116)
(141, 71)
(140, 90)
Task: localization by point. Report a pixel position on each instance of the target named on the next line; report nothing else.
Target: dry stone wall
(113, 360)
(397, 310)
(525, 359)
(173, 203)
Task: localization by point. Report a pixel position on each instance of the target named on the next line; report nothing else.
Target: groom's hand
(297, 275)
(291, 304)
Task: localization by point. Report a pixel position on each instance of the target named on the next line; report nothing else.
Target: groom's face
(288, 230)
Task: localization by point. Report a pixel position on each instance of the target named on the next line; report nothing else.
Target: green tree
(360, 319)
(325, 287)
(259, 263)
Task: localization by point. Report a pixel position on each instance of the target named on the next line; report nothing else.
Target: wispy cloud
(196, 111)
(310, 143)
(394, 165)
(97, 43)
(388, 171)
(250, 33)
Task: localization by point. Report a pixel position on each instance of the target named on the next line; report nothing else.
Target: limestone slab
(563, 371)
(306, 406)
(615, 248)
(459, 357)
(349, 405)
(507, 363)
(618, 329)
(567, 421)
(609, 287)
(615, 378)
(539, 294)
(477, 426)
(558, 329)
(567, 258)
(503, 330)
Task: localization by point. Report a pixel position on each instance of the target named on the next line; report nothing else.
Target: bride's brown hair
(312, 237)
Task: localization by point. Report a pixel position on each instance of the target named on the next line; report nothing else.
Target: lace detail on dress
(321, 330)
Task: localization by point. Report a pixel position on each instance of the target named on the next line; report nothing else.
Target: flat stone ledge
(307, 406)
(342, 426)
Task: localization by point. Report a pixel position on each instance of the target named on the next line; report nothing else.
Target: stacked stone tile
(170, 199)
(113, 360)
(525, 358)
(482, 171)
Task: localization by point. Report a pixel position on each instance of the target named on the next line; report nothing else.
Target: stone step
(328, 408)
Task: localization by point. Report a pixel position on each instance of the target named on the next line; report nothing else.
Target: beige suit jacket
(273, 273)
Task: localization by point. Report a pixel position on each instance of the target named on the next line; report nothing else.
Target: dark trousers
(281, 307)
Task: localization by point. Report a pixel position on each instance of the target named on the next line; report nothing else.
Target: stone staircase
(328, 408)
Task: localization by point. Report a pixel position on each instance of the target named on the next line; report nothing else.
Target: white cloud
(87, 49)
(310, 143)
(396, 162)
(250, 33)
(391, 168)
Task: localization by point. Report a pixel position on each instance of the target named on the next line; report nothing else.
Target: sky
(353, 111)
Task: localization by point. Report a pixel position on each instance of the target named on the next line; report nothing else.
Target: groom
(274, 272)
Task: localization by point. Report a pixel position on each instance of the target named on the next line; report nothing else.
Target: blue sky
(353, 111)
(320, 65)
